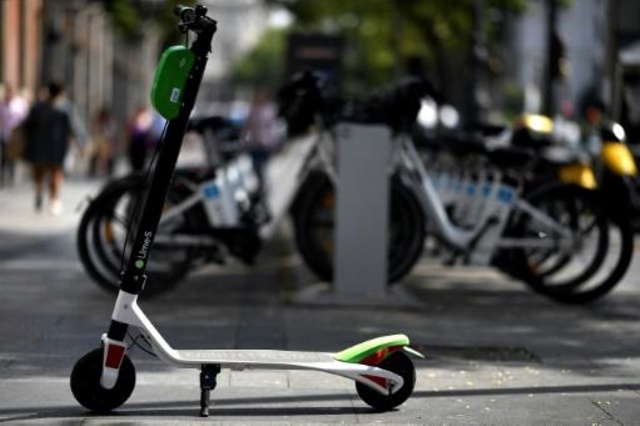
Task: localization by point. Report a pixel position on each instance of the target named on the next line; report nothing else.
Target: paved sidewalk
(498, 354)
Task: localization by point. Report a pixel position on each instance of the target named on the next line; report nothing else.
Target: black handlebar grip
(185, 13)
(201, 10)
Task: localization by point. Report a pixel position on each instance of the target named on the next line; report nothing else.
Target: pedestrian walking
(263, 132)
(49, 128)
(103, 149)
(13, 110)
(139, 137)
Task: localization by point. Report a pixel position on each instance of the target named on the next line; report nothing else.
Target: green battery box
(169, 81)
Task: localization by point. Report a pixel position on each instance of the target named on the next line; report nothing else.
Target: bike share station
(362, 223)
(104, 378)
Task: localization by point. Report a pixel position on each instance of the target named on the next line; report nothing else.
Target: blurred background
(491, 59)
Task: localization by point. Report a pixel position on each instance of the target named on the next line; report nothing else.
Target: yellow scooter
(607, 163)
(609, 169)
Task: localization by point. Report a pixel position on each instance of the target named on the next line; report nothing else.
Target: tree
(263, 65)
(130, 17)
(386, 32)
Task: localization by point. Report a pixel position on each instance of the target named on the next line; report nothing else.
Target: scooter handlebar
(193, 18)
(185, 13)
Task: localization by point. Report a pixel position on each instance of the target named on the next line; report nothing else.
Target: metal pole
(548, 104)
(478, 55)
(612, 86)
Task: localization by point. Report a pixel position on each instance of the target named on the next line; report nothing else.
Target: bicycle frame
(490, 223)
(427, 193)
(297, 159)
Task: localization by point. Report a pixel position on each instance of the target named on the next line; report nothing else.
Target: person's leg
(11, 171)
(110, 166)
(93, 165)
(259, 158)
(38, 172)
(7, 166)
(56, 176)
(3, 162)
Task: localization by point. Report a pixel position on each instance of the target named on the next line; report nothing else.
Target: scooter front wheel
(86, 388)
(400, 364)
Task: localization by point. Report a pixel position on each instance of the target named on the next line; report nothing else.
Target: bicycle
(512, 207)
(102, 235)
(190, 232)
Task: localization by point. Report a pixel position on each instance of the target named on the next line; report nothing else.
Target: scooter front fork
(124, 315)
(113, 354)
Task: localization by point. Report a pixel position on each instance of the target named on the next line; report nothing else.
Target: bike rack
(362, 194)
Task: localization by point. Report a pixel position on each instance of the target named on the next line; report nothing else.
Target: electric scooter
(104, 378)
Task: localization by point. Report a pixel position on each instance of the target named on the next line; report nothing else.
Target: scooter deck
(289, 359)
(283, 360)
(257, 358)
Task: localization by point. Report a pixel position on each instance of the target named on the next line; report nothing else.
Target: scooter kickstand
(207, 384)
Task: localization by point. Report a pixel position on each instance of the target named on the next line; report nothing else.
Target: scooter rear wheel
(400, 364)
(85, 383)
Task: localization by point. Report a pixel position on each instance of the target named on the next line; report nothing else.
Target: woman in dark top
(48, 129)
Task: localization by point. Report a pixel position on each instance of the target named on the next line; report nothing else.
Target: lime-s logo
(144, 250)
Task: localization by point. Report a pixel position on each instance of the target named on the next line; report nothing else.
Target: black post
(614, 90)
(548, 99)
(478, 57)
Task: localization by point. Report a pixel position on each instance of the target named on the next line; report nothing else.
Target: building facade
(77, 50)
(583, 31)
(593, 32)
(20, 48)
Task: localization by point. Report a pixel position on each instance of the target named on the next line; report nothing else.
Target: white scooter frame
(104, 378)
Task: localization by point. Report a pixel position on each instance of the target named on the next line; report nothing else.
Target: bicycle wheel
(104, 230)
(91, 243)
(613, 268)
(314, 224)
(599, 255)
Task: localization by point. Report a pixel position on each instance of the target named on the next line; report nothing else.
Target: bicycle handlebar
(194, 18)
(396, 105)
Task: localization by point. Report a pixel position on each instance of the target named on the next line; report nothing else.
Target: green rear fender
(375, 350)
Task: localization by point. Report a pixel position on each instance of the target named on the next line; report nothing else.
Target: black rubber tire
(85, 383)
(399, 363)
(589, 285)
(100, 270)
(101, 256)
(313, 218)
(598, 286)
(567, 204)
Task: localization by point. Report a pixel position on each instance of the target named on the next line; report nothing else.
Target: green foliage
(263, 65)
(124, 15)
(130, 17)
(382, 33)
(166, 20)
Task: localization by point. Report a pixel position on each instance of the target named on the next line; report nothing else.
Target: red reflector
(115, 353)
(377, 357)
(378, 380)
